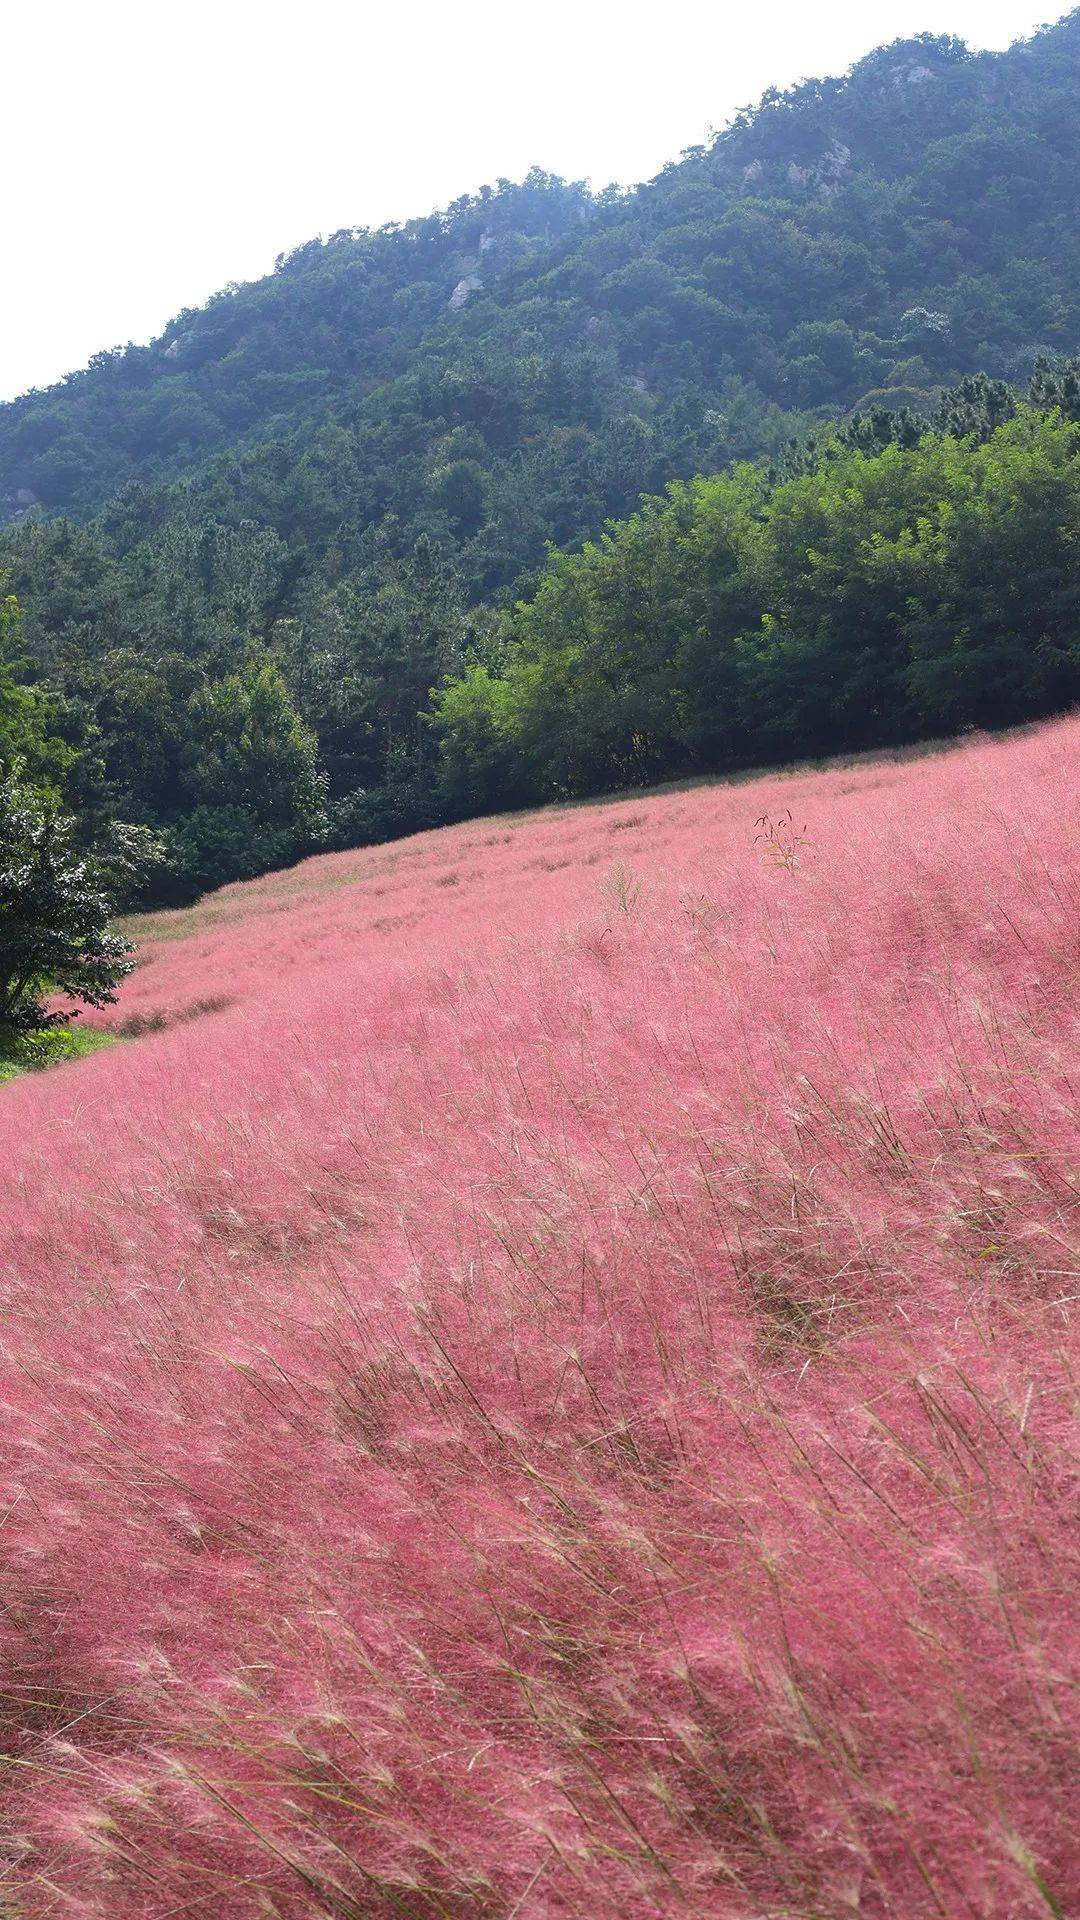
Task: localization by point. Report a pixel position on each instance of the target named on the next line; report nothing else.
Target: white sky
(156, 149)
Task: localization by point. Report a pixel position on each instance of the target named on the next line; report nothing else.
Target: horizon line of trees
(901, 576)
(900, 579)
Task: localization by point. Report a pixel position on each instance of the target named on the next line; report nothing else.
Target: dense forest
(880, 597)
(281, 578)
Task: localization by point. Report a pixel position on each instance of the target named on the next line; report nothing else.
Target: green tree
(27, 717)
(55, 909)
(248, 747)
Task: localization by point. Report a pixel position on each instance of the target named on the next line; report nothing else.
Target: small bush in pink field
(539, 1383)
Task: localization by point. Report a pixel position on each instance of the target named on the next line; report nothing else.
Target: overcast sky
(156, 149)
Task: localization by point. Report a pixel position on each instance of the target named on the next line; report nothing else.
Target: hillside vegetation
(554, 1400)
(883, 596)
(900, 226)
(246, 553)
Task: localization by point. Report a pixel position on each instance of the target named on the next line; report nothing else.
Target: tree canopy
(56, 903)
(887, 593)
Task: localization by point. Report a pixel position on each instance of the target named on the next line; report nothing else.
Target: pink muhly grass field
(543, 1389)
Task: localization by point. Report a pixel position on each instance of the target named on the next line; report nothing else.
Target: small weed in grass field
(782, 840)
(622, 888)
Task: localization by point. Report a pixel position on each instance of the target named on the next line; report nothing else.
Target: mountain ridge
(342, 298)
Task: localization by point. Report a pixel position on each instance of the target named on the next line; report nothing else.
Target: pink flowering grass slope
(549, 1396)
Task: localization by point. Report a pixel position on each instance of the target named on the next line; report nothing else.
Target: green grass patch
(48, 1047)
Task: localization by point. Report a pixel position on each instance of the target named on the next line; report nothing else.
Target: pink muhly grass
(553, 1401)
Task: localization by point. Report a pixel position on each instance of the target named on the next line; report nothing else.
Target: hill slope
(317, 499)
(554, 1401)
(908, 223)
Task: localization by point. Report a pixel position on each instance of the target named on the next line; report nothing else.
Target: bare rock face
(828, 175)
(912, 75)
(16, 505)
(834, 167)
(463, 292)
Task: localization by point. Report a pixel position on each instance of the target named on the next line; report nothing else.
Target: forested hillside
(884, 595)
(247, 552)
(898, 227)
